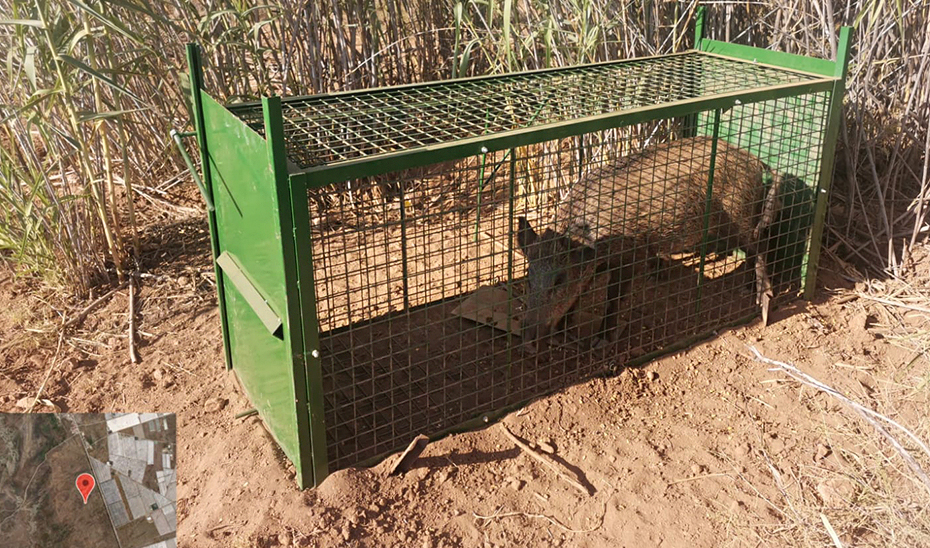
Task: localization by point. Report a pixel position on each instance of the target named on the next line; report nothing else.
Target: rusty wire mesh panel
(464, 287)
(328, 129)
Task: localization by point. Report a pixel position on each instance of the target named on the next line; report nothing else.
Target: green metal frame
(260, 226)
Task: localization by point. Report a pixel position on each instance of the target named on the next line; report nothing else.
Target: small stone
(515, 484)
(215, 404)
(736, 506)
(158, 374)
(69, 364)
(652, 376)
(836, 492)
(346, 532)
(822, 452)
(182, 280)
(859, 322)
(697, 469)
(546, 446)
(742, 450)
(776, 446)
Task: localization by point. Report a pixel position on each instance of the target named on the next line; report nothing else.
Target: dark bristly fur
(646, 204)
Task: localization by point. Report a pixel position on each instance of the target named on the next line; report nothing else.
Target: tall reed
(93, 86)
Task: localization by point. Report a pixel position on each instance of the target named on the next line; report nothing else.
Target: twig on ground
(48, 374)
(247, 413)
(133, 355)
(831, 532)
(179, 368)
(895, 303)
(567, 475)
(87, 309)
(866, 413)
(550, 519)
(695, 478)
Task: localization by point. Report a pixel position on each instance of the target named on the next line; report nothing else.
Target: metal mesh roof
(328, 129)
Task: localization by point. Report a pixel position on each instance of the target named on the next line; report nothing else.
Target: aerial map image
(88, 480)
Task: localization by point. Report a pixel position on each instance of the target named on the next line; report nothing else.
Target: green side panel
(812, 65)
(249, 231)
(787, 134)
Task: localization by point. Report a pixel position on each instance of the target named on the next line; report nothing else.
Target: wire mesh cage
(416, 259)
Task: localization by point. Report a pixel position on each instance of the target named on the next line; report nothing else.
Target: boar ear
(526, 236)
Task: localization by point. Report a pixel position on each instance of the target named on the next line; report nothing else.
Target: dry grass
(88, 97)
(867, 484)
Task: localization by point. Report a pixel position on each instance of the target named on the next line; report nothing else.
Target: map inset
(131, 457)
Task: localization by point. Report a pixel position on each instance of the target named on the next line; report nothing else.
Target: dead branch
(133, 355)
(866, 413)
(96, 302)
(895, 303)
(550, 519)
(567, 475)
(48, 374)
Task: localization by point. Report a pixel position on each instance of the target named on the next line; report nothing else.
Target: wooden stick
(83, 313)
(133, 355)
(567, 475)
(410, 455)
(48, 374)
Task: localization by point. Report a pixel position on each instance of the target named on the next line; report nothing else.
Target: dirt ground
(704, 447)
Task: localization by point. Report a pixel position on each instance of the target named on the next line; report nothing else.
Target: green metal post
(196, 80)
(699, 27)
(827, 160)
(512, 192)
(692, 121)
(312, 354)
(294, 331)
(708, 203)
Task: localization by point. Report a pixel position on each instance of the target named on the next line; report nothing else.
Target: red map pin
(85, 484)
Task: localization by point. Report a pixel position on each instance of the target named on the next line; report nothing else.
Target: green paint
(249, 227)
(708, 204)
(790, 61)
(300, 208)
(196, 83)
(828, 157)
